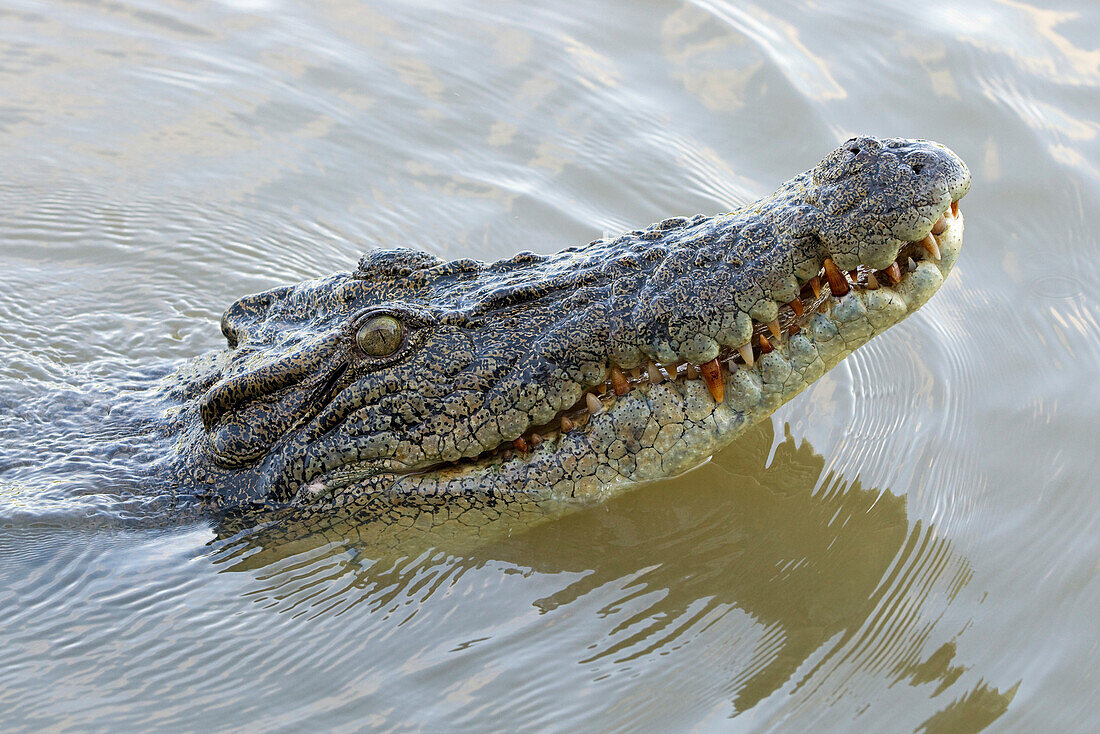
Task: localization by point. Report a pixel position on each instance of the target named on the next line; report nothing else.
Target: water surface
(911, 545)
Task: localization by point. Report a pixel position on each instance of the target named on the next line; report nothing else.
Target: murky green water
(912, 545)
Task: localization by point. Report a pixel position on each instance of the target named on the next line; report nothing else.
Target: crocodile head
(567, 375)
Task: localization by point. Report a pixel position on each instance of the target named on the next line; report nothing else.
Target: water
(912, 545)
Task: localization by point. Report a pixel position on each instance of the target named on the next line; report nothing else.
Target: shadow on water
(833, 572)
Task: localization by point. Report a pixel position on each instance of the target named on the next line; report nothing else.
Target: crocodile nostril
(917, 167)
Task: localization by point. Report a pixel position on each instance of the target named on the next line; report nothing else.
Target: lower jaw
(708, 413)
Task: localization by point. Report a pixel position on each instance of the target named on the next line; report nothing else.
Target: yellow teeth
(595, 407)
(712, 375)
(893, 273)
(929, 243)
(655, 375)
(838, 284)
(619, 382)
(745, 350)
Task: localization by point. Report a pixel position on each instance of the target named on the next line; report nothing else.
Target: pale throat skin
(570, 376)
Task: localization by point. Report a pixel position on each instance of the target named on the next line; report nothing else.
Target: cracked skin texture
(296, 413)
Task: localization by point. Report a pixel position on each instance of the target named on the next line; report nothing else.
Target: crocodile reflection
(802, 551)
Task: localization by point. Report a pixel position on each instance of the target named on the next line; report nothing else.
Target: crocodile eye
(382, 336)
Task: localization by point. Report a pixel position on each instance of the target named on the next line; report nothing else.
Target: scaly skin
(467, 412)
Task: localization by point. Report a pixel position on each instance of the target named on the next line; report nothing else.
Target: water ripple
(929, 563)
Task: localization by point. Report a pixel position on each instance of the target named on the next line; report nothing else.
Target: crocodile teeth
(929, 243)
(773, 327)
(815, 283)
(893, 273)
(567, 425)
(796, 306)
(912, 265)
(746, 353)
(619, 382)
(520, 445)
(838, 284)
(940, 225)
(636, 373)
(712, 375)
(954, 208)
(872, 282)
(655, 375)
(595, 407)
(765, 345)
(536, 440)
(690, 372)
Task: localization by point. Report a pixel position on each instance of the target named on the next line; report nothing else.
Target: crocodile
(567, 376)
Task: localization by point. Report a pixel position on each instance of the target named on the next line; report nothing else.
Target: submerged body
(564, 377)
